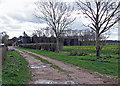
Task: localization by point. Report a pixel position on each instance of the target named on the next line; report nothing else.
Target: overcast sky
(16, 16)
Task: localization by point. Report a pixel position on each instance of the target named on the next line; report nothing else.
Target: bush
(82, 54)
(73, 53)
(39, 46)
(76, 53)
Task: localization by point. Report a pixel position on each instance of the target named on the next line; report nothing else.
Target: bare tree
(103, 15)
(38, 33)
(43, 31)
(4, 38)
(56, 14)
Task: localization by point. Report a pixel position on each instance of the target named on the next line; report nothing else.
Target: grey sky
(16, 16)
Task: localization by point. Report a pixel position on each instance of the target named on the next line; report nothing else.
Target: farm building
(25, 38)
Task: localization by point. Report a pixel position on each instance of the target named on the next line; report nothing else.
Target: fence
(3, 53)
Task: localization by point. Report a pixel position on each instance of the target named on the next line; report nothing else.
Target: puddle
(70, 82)
(40, 81)
(39, 66)
(45, 82)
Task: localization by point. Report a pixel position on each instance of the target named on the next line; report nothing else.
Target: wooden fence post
(0, 65)
(3, 53)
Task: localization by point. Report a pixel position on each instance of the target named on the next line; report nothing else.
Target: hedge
(41, 46)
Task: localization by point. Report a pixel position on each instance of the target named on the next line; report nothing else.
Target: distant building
(25, 38)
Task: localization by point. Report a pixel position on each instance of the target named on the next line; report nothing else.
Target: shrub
(82, 54)
(73, 53)
(76, 53)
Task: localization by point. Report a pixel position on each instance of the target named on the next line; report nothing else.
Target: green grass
(106, 64)
(112, 43)
(15, 70)
(0, 77)
(46, 62)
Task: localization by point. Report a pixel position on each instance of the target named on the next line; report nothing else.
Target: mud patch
(39, 65)
(40, 81)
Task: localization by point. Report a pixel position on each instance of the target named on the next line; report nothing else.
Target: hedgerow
(41, 46)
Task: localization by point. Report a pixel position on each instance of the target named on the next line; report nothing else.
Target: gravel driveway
(73, 74)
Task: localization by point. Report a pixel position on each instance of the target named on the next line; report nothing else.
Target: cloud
(17, 16)
(113, 34)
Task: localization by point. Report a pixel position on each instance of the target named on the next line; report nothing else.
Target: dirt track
(72, 75)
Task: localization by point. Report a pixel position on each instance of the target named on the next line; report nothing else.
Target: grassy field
(15, 70)
(106, 64)
(106, 50)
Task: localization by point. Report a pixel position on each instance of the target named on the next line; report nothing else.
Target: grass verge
(46, 62)
(15, 69)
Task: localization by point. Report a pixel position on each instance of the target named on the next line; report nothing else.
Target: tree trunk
(97, 45)
(57, 45)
